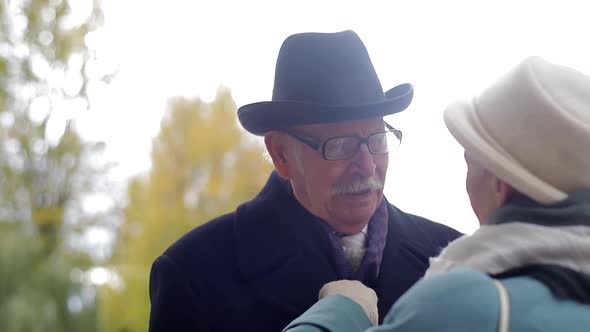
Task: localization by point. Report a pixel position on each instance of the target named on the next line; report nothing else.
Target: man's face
(344, 193)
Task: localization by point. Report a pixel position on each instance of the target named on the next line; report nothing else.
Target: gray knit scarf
(525, 233)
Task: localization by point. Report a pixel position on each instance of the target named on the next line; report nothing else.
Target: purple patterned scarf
(368, 271)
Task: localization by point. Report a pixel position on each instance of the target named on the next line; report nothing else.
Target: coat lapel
(284, 255)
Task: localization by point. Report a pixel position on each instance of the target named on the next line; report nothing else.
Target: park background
(118, 128)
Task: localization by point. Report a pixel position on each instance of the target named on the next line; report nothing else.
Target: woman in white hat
(527, 147)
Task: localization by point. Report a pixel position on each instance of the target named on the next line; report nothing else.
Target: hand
(356, 291)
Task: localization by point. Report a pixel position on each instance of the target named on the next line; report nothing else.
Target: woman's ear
(502, 192)
(278, 149)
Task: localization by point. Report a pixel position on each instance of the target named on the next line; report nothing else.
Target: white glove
(356, 291)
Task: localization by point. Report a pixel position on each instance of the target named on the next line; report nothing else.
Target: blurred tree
(203, 165)
(46, 70)
(37, 292)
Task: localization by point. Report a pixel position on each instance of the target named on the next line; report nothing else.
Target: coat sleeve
(462, 300)
(173, 301)
(332, 313)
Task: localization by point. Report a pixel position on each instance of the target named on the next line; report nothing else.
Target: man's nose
(363, 162)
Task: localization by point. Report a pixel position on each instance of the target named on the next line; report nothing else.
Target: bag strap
(504, 321)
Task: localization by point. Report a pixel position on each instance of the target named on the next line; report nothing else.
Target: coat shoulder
(458, 292)
(184, 277)
(198, 245)
(471, 302)
(536, 308)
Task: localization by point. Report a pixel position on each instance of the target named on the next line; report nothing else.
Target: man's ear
(278, 149)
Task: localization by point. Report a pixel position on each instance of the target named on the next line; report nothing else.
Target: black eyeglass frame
(321, 147)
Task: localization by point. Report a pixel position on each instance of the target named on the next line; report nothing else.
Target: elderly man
(321, 216)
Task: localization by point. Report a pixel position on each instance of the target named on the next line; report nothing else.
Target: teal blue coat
(460, 300)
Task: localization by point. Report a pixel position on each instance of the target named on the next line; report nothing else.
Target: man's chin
(353, 223)
(357, 215)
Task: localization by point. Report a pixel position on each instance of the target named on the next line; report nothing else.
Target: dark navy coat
(260, 267)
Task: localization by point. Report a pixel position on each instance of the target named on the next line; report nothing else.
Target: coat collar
(273, 227)
(283, 252)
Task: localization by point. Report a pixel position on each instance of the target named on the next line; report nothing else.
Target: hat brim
(463, 123)
(262, 117)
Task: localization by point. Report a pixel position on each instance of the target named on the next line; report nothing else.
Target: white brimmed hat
(531, 129)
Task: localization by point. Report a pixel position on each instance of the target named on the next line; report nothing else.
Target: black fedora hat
(321, 78)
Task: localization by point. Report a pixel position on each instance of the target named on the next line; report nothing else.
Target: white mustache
(359, 185)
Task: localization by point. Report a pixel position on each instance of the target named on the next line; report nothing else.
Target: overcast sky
(448, 49)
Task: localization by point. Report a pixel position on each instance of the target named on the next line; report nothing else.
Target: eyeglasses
(345, 147)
